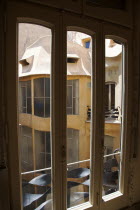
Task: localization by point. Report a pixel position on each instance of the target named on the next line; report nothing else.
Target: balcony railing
(76, 177)
(113, 114)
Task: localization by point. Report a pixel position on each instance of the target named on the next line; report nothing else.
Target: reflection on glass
(36, 190)
(111, 174)
(34, 115)
(72, 97)
(25, 97)
(78, 117)
(42, 97)
(26, 149)
(72, 152)
(113, 115)
(42, 149)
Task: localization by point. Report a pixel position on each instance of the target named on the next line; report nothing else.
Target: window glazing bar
(46, 169)
(82, 161)
(30, 172)
(117, 153)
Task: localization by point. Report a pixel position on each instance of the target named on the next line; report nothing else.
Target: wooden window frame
(60, 22)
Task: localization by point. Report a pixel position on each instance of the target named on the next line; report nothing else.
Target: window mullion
(44, 96)
(98, 116)
(26, 95)
(58, 117)
(64, 112)
(72, 98)
(109, 98)
(32, 96)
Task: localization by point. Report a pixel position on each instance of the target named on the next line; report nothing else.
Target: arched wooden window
(56, 68)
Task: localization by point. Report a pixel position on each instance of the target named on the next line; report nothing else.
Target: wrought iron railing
(113, 114)
(76, 177)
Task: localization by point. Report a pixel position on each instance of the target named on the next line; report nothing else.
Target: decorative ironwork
(113, 114)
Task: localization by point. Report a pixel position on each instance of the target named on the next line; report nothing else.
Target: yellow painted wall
(78, 122)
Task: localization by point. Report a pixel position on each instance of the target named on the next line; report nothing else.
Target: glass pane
(28, 88)
(47, 87)
(78, 117)
(29, 107)
(23, 110)
(37, 190)
(39, 87)
(24, 95)
(47, 107)
(75, 105)
(113, 109)
(48, 144)
(69, 82)
(111, 144)
(34, 48)
(69, 96)
(42, 149)
(111, 173)
(72, 139)
(39, 107)
(26, 149)
(69, 110)
(75, 88)
(23, 92)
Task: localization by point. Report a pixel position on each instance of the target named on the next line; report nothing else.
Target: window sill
(83, 206)
(111, 196)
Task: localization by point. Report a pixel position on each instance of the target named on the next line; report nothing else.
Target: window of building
(86, 41)
(87, 44)
(42, 149)
(73, 97)
(109, 96)
(42, 97)
(72, 152)
(108, 145)
(25, 97)
(26, 148)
